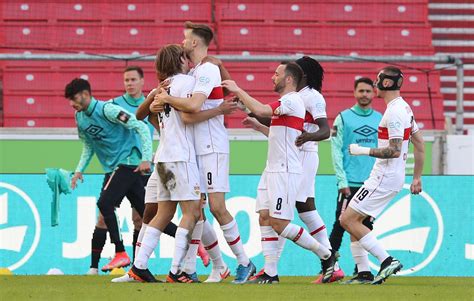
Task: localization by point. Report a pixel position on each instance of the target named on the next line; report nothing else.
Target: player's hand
(357, 150)
(250, 122)
(77, 176)
(415, 186)
(230, 85)
(156, 108)
(212, 59)
(164, 84)
(303, 138)
(345, 191)
(143, 168)
(227, 107)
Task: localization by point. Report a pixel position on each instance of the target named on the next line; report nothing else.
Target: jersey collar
(91, 106)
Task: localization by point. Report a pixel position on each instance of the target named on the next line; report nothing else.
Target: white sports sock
(181, 243)
(149, 242)
(373, 246)
(190, 262)
(361, 257)
(302, 238)
(281, 245)
(211, 244)
(316, 227)
(140, 238)
(232, 236)
(270, 250)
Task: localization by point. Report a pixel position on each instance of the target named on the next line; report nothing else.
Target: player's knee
(101, 223)
(277, 225)
(105, 206)
(218, 211)
(264, 219)
(149, 212)
(305, 207)
(195, 215)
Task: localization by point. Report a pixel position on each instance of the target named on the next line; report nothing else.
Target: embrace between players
(193, 160)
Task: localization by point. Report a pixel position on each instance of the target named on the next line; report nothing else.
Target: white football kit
(280, 181)
(315, 107)
(176, 175)
(388, 175)
(211, 139)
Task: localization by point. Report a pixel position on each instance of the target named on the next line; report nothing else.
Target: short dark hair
(293, 70)
(313, 71)
(201, 30)
(135, 68)
(77, 85)
(168, 61)
(392, 71)
(364, 80)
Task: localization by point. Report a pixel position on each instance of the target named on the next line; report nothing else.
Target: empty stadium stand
(33, 91)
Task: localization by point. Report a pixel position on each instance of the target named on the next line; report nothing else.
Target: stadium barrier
(431, 234)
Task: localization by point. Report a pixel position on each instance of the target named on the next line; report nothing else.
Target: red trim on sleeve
(383, 133)
(308, 118)
(216, 93)
(288, 121)
(274, 105)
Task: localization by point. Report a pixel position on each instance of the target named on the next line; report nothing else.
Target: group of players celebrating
(192, 161)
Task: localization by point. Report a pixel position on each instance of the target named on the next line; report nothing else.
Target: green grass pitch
(291, 288)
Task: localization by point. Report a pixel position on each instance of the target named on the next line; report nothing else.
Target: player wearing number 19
(396, 129)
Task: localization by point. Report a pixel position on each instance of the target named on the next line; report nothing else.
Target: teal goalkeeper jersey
(113, 134)
(354, 125)
(131, 105)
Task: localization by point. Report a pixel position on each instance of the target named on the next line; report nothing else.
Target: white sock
(211, 244)
(232, 236)
(140, 238)
(361, 257)
(316, 227)
(373, 246)
(149, 242)
(270, 250)
(302, 238)
(281, 245)
(190, 264)
(181, 243)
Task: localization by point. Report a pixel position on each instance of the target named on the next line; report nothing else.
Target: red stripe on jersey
(288, 121)
(211, 245)
(216, 93)
(318, 230)
(231, 243)
(195, 241)
(298, 235)
(383, 133)
(269, 238)
(308, 118)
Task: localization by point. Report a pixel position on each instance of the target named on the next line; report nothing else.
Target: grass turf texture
(290, 288)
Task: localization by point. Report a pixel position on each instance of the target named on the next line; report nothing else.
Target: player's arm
(188, 105)
(222, 70)
(393, 150)
(86, 157)
(321, 134)
(144, 109)
(419, 154)
(253, 123)
(338, 155)
(251, 103)
(225, 108)
(118, 115)
(153, 119)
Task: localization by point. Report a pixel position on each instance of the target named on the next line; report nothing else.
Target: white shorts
(173, 181)
(310, 162)
(371, 201)
(214, 172)
(277, 193)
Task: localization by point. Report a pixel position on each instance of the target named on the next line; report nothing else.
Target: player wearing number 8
(396, 129)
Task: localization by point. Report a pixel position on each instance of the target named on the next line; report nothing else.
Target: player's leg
(283, 189)
(361, 259)
(99, 237)
(189, 267)
(370, 202)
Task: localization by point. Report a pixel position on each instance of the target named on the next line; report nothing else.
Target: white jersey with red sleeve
(283, 154)
(315, 106)
(176, 138)
(210, 135)
(397, 122)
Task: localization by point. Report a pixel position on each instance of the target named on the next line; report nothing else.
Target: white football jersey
(397, 122)
(283, 154)
(210, 135)
(176, 138)
(315, 106)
